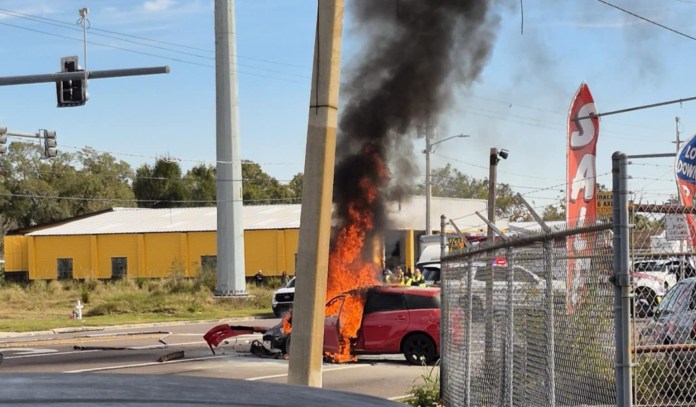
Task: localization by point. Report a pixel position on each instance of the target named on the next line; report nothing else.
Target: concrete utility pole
(315, 221)
(230, 228)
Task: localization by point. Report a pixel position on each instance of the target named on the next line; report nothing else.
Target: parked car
(652, 278)
(283, 298)
(396, 319)
(527, 287)
(663, 269)
(674, 322)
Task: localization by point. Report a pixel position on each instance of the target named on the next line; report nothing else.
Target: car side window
(378, 302)
(675, 298)
(422, 302)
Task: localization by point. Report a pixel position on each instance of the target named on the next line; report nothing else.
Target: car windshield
(675, 299)
(648, 266)
(291, 283)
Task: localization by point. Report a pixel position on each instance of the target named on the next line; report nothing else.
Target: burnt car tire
(420, 349)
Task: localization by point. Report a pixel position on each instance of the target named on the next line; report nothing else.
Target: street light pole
(428, 176)
(492, 181)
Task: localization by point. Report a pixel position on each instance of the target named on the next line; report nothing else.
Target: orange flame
(348, 270)
(286, 328)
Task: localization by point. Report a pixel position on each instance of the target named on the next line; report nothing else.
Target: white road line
(285, 374)
(97, 369)
(47, 354)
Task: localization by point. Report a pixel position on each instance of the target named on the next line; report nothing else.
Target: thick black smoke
(414, 54)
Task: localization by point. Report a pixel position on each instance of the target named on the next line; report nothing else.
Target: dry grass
(48, 305)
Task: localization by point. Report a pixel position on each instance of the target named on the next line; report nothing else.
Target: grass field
(45, 305)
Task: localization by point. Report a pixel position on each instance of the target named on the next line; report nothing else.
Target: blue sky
(519, 102)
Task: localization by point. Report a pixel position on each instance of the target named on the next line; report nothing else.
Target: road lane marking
(275, 376)
(77, 339)
(97, 369)
(54, 353)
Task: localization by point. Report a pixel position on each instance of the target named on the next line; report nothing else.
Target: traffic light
(50, 143)
(3, 140)
(71, 92)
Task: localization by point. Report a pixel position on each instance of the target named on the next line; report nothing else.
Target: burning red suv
(379, 320)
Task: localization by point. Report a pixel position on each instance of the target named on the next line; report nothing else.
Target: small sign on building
(604, 204)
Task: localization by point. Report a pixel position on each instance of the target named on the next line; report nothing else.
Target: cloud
(157, 5)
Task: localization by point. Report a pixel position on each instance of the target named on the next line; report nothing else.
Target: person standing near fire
(397, 277)
(258, 278)
(418, 278)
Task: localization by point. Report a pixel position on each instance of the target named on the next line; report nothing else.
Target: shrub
(428, 393)
(206, 278)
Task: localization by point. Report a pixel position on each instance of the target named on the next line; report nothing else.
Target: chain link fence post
(621, 280)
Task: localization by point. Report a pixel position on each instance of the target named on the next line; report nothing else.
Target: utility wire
(138, 40)
(648, 20)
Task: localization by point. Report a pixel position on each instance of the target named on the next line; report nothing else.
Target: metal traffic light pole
(48, 136)
(67, 76)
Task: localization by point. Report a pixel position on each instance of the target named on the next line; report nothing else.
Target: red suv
(396, 319)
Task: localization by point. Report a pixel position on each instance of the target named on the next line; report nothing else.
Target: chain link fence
(512, 339)
(597, 316)
(664, 306)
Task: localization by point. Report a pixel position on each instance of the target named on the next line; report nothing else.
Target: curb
(58, 331)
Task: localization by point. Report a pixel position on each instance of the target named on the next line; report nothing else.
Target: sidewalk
(57, 331)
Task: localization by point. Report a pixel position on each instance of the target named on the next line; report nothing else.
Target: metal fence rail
(537, 353)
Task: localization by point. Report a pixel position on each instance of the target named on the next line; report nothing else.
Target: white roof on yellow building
(407, 215)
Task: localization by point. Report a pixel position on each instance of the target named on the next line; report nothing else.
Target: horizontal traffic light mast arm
(21, 134)
(77, 75)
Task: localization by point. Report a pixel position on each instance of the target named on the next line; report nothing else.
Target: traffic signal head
(3, 140)
(50, 143)
(71, 92)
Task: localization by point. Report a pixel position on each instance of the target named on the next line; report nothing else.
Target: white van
(429, 260)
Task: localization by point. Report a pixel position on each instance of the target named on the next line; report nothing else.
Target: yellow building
(144, 243)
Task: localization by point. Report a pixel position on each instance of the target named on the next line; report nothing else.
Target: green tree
(201, 182)
(260, 188)
(295, 186)
(554, 212)
(448, 182)
(102, 178)
(160, 186)
(34, 190)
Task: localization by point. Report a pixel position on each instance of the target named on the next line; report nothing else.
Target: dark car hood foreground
(159, 390)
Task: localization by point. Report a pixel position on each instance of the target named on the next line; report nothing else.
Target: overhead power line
(647, 20)
(139, 40)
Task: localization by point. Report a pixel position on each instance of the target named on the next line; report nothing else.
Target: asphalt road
(179, 349)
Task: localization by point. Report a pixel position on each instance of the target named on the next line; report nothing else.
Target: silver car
(673, 322)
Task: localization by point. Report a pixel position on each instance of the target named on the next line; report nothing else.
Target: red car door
(385, 322)
(331, 325)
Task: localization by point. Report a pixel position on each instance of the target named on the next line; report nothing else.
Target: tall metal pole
(315, 220)
(622, 281)
(428, 183)
(230, 229)
(428, 176)
(492, 175)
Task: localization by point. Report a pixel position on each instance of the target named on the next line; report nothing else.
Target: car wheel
(645, 302)
(420, 349)
(276, 312)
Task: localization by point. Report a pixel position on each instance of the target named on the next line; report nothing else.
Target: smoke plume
(414, 54)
